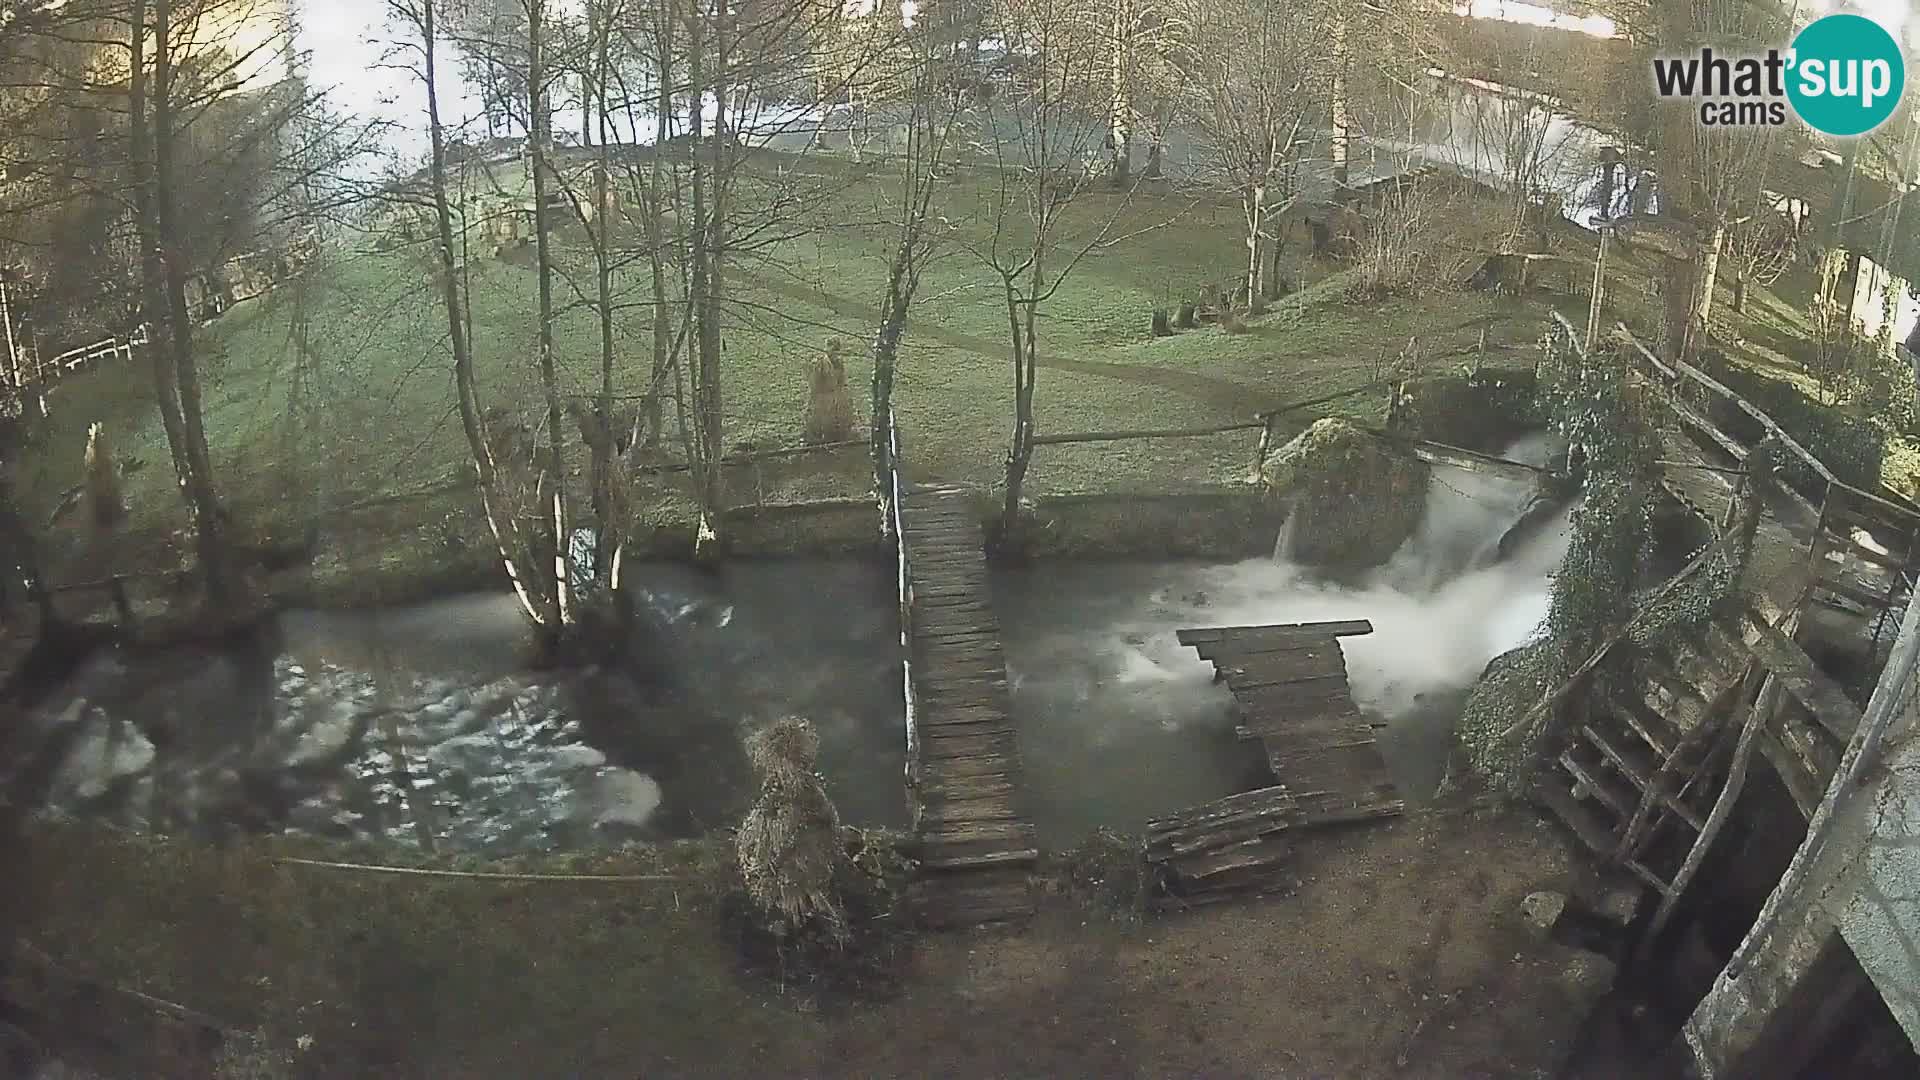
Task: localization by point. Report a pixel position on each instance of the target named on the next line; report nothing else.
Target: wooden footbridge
(1289, 685)
(975, 847)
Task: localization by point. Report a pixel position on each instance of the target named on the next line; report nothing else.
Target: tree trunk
(539, 136)
(607, 542)
(1739, 293)
(1156, 148)
(208, 517)
(1255, 205)
(1120, 107)
(1709, 281)
(153, 279)
(886, 352)
(1337, 97)
(1022, 319)
(656, 233)
(505, 532)
(701, 296)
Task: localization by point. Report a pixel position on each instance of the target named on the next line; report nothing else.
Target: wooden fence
(26, 371)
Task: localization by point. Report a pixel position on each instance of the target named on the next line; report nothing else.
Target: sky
(352, 55)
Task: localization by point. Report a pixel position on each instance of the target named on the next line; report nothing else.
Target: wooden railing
(891, 497)
(26, 370)
(1836, 506)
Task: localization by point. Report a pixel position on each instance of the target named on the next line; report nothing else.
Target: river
(425, 724)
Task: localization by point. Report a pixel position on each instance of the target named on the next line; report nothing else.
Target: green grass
(369, 413)
(387, 974)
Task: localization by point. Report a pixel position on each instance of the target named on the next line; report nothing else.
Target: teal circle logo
(1845, 75)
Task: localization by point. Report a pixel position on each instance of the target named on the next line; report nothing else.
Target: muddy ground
(1403, 952)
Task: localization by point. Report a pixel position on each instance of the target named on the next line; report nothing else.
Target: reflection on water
(380, 724)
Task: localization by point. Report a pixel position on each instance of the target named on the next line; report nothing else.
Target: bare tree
(539, 149)
(1706, 172)
(421, 18)
(1254, 92)
(1041, 153)
(933, 110)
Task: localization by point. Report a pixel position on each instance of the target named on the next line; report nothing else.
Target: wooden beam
(1717, 818)
(1347, 628)
(1434, 453)
(1798, 675)
(1149, 433)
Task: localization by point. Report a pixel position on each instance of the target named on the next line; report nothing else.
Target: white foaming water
(1120, 722)
(1441, 607)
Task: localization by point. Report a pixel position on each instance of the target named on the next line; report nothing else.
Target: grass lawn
(364, 416)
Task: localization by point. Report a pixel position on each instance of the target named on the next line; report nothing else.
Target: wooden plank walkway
(1291, 685)
(975, 847)
(1781, 568)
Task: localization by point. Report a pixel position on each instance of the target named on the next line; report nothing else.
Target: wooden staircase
(1635, 779)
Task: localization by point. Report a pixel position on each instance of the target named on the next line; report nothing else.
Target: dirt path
(1403, 953)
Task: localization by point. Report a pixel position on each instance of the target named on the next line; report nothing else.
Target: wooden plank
(1001, 835)
(1652, 728)
(1586, 823)
(1297, 667)
(1872, 601)
(1799, 676)
(1311, 696)
(1639, 771)
(936, 744)
(1594, 784)
(1278, 727)
(1347, 628)
(1805, 787)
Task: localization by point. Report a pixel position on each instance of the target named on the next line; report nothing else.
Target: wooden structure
(1647, 774)
(975, 849)
(1290, 684)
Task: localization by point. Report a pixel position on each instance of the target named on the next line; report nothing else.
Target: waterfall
(1284, 544)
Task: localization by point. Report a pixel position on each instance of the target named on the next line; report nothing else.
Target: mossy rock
(1352, 498)
(1512, 683)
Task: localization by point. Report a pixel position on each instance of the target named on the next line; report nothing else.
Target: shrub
(1852, 446)
(1109, 870)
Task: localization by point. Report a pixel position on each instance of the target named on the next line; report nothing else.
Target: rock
(1542, 909)
(578, 756)
(622, 797)
(1619, 904)
(1352, 499)
(326, 738)
(1586, 976)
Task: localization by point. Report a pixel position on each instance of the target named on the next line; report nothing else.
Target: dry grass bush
(1422, 239)
(815, 899)
(829, 416)
(811, 901)
(789, 845)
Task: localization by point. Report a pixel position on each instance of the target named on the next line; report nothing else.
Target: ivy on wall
(1614, 448)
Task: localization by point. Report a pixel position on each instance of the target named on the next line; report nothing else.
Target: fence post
(1263, 447)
